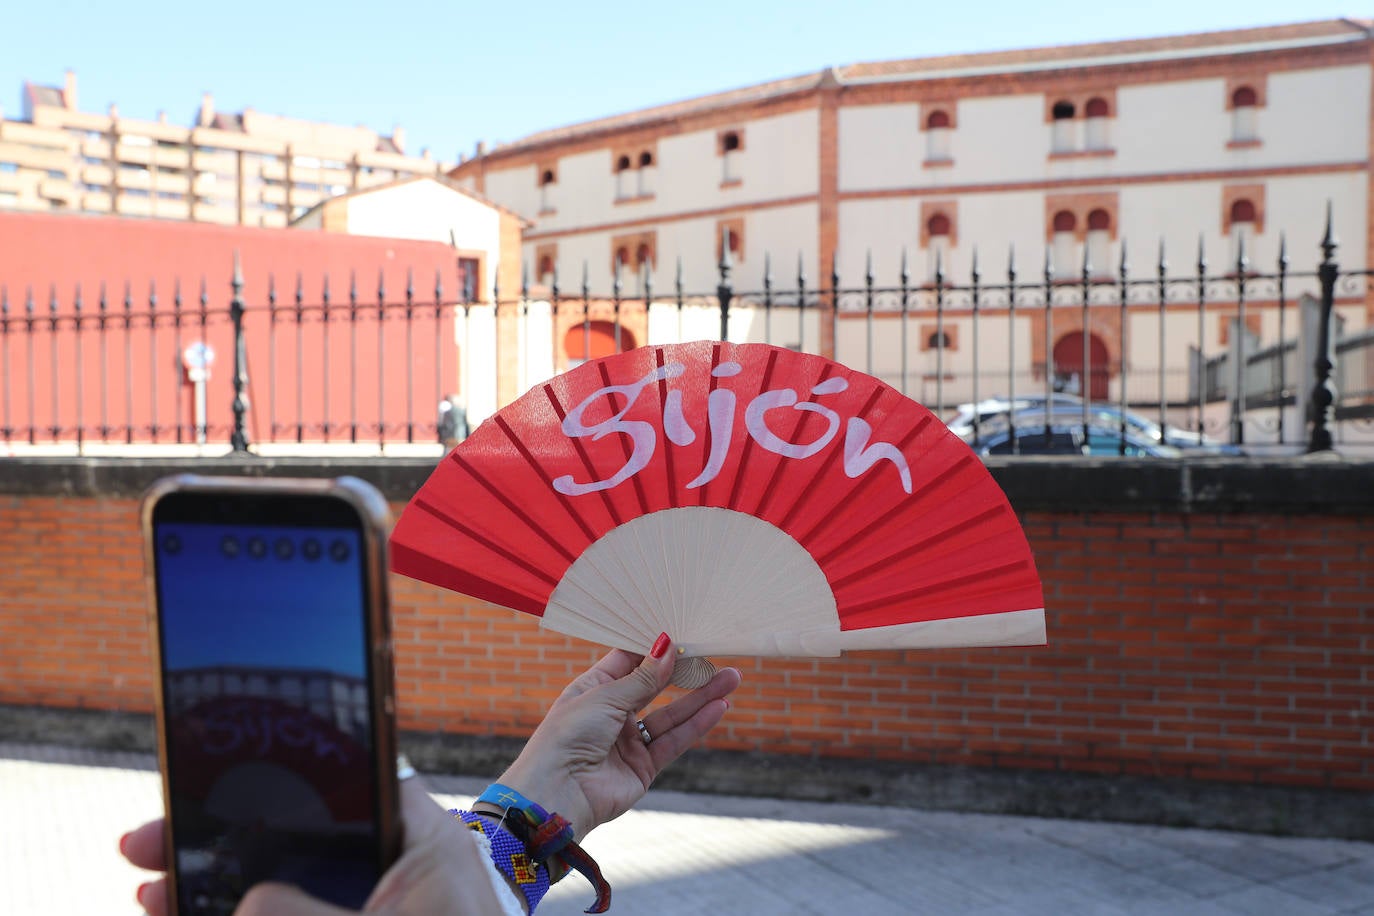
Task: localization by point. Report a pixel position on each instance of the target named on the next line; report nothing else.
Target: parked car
(1066, 436)
(1067, 408)
(960, 422)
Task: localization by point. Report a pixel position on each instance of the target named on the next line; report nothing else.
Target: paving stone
(682, 855)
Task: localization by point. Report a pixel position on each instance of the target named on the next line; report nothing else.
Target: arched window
(646, 173)
(938, 341)
(546, 269)
(731, 146)
(546, 180)
(1064, 245)
(1100, 242)
(644, 255)
(1244, 115)
(1244, 218)
(622, 257)
(938, 127)
(622, 177)
(1064, 130)
(1095, 133)
(939, 230)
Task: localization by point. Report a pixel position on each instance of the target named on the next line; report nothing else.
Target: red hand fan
(746, 499)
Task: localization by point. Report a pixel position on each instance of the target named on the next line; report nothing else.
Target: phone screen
(270, 741)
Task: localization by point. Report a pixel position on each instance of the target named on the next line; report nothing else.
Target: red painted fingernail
(139, 894)
(660, 646)
(122, 840)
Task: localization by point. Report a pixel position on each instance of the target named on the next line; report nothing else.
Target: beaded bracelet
(510, 857)
(546, 839)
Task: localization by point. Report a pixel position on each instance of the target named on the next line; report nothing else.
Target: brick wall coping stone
(1323, 484)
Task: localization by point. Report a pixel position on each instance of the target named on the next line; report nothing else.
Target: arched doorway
(1068, 365)
(593, 340)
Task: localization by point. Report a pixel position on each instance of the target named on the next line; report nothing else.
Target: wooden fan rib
(543, 475)
(669, 468)
(748, 449)
(637, 480)
(512, 507)
(915, 548)
(587, 464)
(780, 465)
(422, 566)
(987, 578)
(930, 488)
(824, 518)
(484, 542)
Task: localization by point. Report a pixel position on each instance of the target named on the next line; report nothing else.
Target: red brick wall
(1223, 646)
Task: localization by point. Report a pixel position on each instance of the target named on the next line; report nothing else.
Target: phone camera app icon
(310, 549)
(257, 547)
(229, 546)
(171, 545)
(338, 551)
(285, 549)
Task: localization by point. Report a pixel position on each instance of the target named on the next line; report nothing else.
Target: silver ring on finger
(643, 731)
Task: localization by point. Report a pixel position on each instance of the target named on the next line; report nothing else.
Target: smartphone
(274, 688)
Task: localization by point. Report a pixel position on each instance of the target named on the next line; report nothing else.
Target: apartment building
(240, 168)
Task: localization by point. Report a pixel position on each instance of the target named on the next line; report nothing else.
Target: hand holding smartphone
(274, 696)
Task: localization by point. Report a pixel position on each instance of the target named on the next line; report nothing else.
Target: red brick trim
(1244, 144)
(731, 183)
(949, 106)
(736, 227)
(636, 199)
(1256, 80)
(1234, 192)
(937, 164)
(707, 213)
(828, 200)
(1081, 205)
(720, 140)
(949, 209)
(1084, 154)
(1089, 87)
(634, 246)
(1253, 322)
(1113, 181)
(545, 253)
(951, 331)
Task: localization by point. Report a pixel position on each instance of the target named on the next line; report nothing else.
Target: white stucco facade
(1213, 141)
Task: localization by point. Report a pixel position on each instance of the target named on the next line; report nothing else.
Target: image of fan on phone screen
(265, 660)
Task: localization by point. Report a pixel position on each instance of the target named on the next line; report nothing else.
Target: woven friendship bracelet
(510, 856)
(548, 838)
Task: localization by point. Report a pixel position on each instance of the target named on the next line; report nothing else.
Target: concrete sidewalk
(683, 854)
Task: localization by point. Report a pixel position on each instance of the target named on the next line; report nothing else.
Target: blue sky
(453, 72)
(216, 610)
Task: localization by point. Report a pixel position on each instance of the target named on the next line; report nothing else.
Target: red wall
(1220, 646)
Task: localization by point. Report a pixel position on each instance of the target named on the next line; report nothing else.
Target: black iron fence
(1256, 357)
